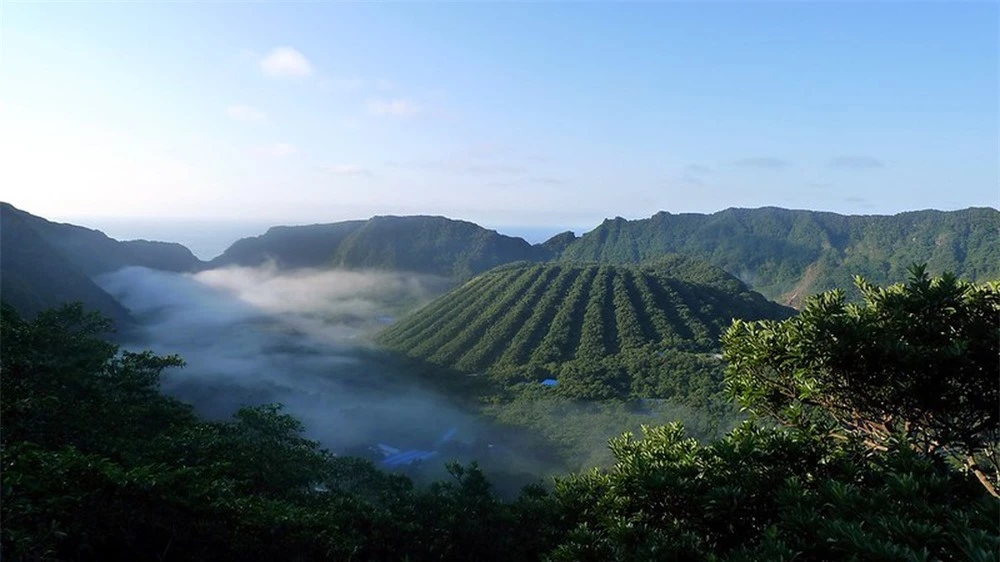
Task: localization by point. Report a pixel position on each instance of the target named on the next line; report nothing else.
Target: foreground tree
(915, 363)
(772, 494)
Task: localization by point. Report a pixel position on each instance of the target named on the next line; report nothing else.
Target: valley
(399, 354)
(400, 329)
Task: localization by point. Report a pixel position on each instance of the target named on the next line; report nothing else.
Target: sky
(505, 113)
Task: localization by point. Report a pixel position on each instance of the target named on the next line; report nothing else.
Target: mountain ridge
(429, 244)
(788, 254)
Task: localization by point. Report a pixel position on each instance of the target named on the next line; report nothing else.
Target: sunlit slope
(549, 313)
(791, 254)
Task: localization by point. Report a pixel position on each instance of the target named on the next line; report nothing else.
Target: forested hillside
(45, 264)
(35, 276)
(419, 244)
(603, 330)
(790, 254)
(94, 253)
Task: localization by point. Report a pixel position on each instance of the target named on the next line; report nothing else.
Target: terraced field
(546, 314)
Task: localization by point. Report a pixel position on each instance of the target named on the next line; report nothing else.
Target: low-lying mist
(302, 339)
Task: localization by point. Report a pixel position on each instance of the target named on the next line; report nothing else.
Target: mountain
(419, 244)
(547, 314)
(35, 276)
(93, 252)
(558, 243)
(789, 254)
(46, 264)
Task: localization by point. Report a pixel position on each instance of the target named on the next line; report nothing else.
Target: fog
(303, 339)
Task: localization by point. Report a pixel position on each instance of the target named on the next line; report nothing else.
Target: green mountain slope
(789, 254)
(35, 276)
(94, 253)
(532, 321)
(420, 244)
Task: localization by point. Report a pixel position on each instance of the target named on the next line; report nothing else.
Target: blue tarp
(408, 457)
(448, 436)
(395, 457)
(550, 382)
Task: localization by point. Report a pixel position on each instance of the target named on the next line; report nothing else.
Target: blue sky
(503, 113)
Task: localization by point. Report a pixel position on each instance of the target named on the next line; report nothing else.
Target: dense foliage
(915, 362)
(772, 495)
(788, 255)
(97, 465)
(646, 331)
(420, 244)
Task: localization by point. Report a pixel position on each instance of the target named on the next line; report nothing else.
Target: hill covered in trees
(603, 330)
(45, 264)
(790, 254)
(35, 276)
(419, 244)
(93, 252)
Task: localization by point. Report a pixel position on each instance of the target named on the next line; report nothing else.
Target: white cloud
(279, 150)
(246, 113)
(395, 108)
(285, 61)
(349, 170)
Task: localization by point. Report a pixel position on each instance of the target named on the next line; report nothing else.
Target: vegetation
(647, 331)
(789, 255)
(765, 494)
(35, 276)
(93, 253)
(96, 464)
(915, 363)
(419, 244)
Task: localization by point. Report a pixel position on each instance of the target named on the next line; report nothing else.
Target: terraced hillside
(527, 321)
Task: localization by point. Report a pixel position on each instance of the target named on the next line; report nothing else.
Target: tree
(771, 494)
(916, 362)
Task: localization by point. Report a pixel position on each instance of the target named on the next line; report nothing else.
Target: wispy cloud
(463, 166)
(284, 62)
(693, 174)
(278, 150)
(245, 113)
(548, 180)
(697, 169)
(856, 162)
(349, 170)
(394, 108)
(859, 202)
(692, 179)
(487, 169)
(764, 162)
